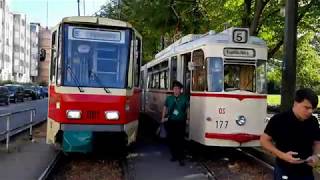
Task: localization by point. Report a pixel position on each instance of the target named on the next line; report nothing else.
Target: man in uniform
(176, 109)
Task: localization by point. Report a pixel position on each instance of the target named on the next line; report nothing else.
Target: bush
(6, 82)
(273, 87)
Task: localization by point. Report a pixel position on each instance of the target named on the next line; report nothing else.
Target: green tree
(308, 64)
(161, 22)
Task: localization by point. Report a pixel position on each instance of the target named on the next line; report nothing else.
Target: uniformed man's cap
(177, 84)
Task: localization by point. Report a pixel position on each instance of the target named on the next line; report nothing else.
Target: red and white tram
(225, 76)
(94, 81)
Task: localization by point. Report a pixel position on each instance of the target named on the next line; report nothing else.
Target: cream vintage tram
(94, 82)
(224, 74)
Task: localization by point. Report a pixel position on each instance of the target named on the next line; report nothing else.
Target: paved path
(151, 160)
(26, 160)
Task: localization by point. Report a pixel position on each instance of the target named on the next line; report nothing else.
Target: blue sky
(36, 10)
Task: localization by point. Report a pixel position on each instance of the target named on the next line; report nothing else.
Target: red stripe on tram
(240, 137)
(236, 96)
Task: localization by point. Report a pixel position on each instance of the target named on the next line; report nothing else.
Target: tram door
(186, 75)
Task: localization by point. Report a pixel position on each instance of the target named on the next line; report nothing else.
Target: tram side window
(261, 76)
(59, 63)
(164, 74)
(53, 58)
(155, 82)
(199, 72)
(150, 78)
(150, 81)
(173, 70)
(142, 86)
(215, 74)
(164, 79)
(138, 62)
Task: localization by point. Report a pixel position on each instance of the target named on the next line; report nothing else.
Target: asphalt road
(20, 119)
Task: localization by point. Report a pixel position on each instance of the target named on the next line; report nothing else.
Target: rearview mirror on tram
(42, 54)
(83, 49)
(191, 66)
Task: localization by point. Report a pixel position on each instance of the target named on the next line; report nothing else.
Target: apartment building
(34, 44)
(7, 71)
(2, 19)
(19, 46)
(27, 55)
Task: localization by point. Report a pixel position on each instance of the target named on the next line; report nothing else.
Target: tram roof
(193, 41)
(96, 21)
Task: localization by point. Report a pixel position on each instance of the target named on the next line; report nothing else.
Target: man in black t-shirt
(294, 138)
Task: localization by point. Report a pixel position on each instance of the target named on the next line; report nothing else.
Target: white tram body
(225, 76)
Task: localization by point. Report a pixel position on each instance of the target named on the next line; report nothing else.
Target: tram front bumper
(93, 128)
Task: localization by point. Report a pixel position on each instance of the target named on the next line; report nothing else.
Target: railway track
(86, 166)
(224, 163)
(235, 164)
(259, 156)
(210, 174)
(53, 166)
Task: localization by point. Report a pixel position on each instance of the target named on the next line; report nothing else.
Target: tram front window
(215, 74)
(239, 77)
(95, 57)
(262, 76)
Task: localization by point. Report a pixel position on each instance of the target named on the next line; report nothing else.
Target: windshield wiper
(75, 79)
(231, 89)
(107, 90)
(97, 79)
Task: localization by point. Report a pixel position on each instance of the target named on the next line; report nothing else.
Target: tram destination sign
(99, 35)
(239, 52)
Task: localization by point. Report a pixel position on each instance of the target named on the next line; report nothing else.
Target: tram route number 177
(221, 124)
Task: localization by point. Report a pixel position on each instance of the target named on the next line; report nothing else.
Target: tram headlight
(241, 120)
(73, 114)
(111, 115)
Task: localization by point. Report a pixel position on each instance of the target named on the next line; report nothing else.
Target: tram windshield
(239, 77)
(95, 57)
(236, 77)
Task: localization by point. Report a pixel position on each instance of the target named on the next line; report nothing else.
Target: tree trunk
(260, 5)
(288, 82)
(247, 13)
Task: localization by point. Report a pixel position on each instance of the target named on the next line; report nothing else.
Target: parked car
(45, 91)
(16, 92)
(30, 92)
(4, 95)
(42, 92)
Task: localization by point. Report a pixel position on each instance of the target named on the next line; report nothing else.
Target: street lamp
(78, 7)
(84, 8)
